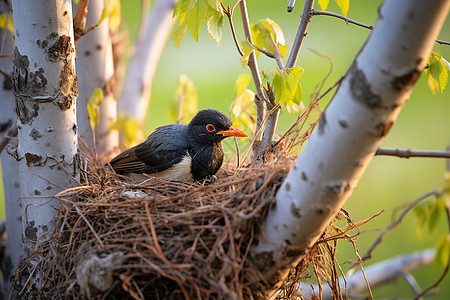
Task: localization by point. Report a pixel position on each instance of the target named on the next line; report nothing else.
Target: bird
(180, 152)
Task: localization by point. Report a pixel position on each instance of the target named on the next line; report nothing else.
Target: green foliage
(428, 215)
(93, 107)
(6, 22)
(266, 34)
(437, 71)
(285, 85)
(113, 9)
(129, 127)
(344, 5)
(76, 1)
(192, 14)
(186, 97)
(243, 107)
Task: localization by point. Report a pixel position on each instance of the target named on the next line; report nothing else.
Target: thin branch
(314, 12)
(277, 54)
(229, 13)
(301, 33)
(369, 252)
(347, 20)
(407, 153)
(290, 5)
(253, 67)
(263, 51)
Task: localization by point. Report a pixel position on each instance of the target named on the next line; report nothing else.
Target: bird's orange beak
(233, 131)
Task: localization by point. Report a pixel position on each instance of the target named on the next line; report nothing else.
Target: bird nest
(117, 239)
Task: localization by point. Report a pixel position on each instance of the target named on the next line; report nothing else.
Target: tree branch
(301, 33)
(377, 274)
(252, 64)
(347, 20)
(407, 153)
(11, 133)
(290, 5)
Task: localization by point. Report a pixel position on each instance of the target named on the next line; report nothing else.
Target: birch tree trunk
(10, 167)
(135, 97)
(95, 69)
(362, 112)
(45, 90)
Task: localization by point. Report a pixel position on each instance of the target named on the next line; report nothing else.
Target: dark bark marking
(405, 81)
(295, 211)
(288, 187)
(382, 128)
(322, 124)
(337, 188)
(31, 232)
(34, 134)
(26, 82)
(343, 123)
(37, 193)
(33, 159)
(304, 176)
(361, 89)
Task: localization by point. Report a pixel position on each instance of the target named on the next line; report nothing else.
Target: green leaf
(178, 35)
(247, 49)
(343, 5)
(437, 71)
(181, 10)
(323, 4)
(102, 17)
(242, 83)
(442, 251)
(215, 25)
(435, 212)
(197, 16)
(93, 107)
(186, 96)
(76, 1)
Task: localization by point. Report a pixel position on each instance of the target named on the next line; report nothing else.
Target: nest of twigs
(115, 239)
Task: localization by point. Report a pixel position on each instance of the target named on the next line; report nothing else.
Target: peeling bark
(45, 89)
(362, 112)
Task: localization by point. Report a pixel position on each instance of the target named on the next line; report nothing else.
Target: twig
(89, 225)
(369, 252)
(264, 51)
(301, 33)
(229, 13)
(314, 12)
(290, 5)
(407, 153)
(253, 68)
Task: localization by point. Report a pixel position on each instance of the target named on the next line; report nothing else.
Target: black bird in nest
(180, 152)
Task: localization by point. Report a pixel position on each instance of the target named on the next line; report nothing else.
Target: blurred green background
(389, 182)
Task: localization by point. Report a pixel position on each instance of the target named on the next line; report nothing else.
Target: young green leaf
(197, 15)
(181, 10)
(114, 13)
(442, 251)
(242, 83)
(323, 4)
(343, 5)
(93, 107)
(215, 25)
(178, 35)
(437, 71)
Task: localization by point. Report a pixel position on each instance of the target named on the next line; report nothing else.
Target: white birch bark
(135, 97)
(362, 112)
(95, 69)
(45, 89)
(10, 167)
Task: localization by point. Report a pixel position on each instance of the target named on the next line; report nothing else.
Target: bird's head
(211, 126)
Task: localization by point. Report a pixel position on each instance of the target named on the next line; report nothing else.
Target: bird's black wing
(162, 149)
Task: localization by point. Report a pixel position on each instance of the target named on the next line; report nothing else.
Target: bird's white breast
(178, 172)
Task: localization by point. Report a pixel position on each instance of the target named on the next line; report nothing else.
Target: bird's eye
(210, 127)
